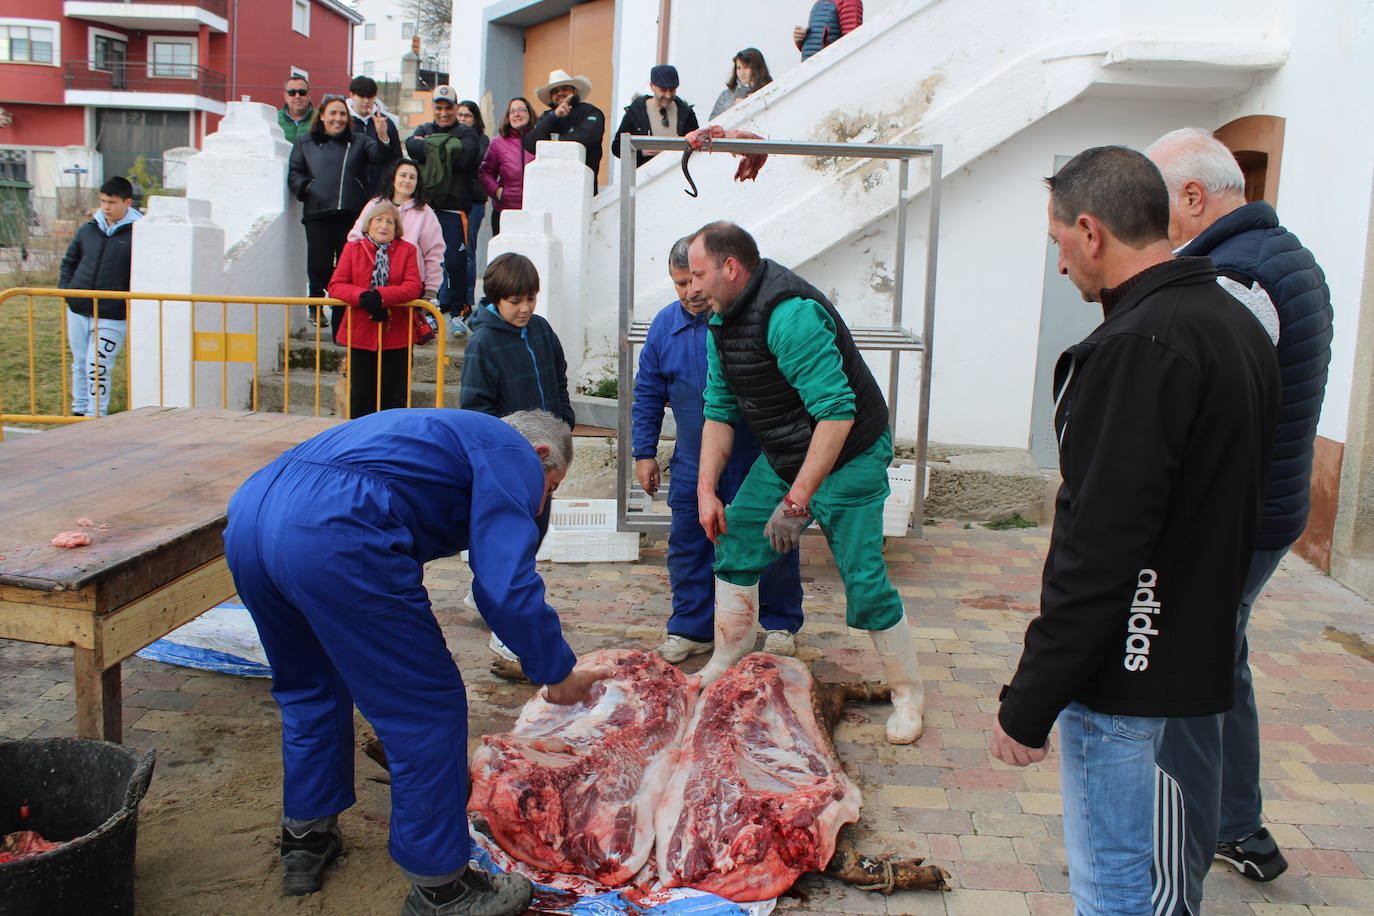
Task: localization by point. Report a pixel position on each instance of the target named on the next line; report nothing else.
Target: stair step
(303, 393)
(301, 355)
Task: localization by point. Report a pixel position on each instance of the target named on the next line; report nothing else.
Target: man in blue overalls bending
(672, 370)
(327, 545)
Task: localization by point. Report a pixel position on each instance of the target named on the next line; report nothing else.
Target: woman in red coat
(375, 275)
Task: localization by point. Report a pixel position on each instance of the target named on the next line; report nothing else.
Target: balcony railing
(142, 75)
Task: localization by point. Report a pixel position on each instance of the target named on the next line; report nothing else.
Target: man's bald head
(1204, 180)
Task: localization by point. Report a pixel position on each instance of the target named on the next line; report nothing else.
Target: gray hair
(540, 427)
(677, 257)
(1193, 154)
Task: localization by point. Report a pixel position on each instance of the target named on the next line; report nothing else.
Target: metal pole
(928, 332)
(898, 283)
(627, 289)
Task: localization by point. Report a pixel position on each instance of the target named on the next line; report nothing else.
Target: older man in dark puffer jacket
(1215, 759)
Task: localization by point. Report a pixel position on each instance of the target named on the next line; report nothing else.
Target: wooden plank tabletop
(160, 478)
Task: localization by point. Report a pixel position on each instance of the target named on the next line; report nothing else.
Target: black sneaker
(1256, 856)
(473, 893)
(304, 857)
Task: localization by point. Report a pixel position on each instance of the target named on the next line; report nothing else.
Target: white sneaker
(677, 649)
(457, 327)
(500, 649)
(780, 642)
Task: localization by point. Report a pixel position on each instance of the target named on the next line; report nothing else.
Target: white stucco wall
(1328, 145)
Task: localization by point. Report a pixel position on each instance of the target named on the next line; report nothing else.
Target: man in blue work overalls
(672, 370)
(327, 545)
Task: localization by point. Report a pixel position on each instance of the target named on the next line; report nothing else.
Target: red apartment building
(131, 77)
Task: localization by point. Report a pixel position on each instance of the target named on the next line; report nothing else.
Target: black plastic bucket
(81, 792)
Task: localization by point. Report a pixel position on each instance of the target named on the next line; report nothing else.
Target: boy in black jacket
(99, 259)
(514, 362)
(1165, 416)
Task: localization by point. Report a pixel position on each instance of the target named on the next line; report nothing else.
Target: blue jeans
(1215, 763)
(454, 288)
(1107, 775)
(475, 216)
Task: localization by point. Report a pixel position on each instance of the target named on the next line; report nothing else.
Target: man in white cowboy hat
(569, 116)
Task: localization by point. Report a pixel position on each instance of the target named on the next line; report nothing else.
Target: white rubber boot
(737, 612)
(898, 652)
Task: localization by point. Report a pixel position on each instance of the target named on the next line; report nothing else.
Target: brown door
(580, 42)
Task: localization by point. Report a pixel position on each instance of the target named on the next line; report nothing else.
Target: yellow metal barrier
(224, 346)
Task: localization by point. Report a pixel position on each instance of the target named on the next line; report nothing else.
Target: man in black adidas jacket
(1165, 416)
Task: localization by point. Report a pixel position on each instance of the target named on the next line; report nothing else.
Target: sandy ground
(209, 828)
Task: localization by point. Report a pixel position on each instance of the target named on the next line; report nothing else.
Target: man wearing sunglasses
(295, 113)
(660, 114)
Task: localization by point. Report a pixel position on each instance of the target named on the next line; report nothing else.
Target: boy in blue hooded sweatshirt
(514, 361)
(99, 258)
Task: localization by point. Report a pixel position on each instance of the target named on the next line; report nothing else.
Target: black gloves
(371, 301)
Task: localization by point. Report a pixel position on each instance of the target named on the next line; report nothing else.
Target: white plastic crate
(897, 508)
(583, 531)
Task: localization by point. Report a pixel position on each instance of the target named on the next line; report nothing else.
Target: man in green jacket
(780, 357)
(294, 115)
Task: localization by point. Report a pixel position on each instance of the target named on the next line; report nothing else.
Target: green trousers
(849, 509)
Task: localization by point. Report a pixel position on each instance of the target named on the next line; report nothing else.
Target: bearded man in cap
(570, 117)
(660, 114)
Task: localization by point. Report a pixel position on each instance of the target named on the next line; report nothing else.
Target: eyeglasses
(298, 92)
(663, 112)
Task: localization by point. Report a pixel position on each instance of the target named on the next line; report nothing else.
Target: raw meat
(23, 844)
(85, 523)
(757, 796)
(72, 539)
(573, 788)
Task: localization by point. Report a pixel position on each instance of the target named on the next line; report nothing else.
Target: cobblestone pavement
(970, 594)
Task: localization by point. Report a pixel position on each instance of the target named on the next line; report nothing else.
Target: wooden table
(160, 479)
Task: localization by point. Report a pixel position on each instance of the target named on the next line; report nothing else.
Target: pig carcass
(757, 796)
(573, 788)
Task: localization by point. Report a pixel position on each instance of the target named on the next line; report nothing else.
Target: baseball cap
(445, 94)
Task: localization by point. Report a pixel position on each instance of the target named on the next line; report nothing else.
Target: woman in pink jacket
(401, 185)
(502, 172)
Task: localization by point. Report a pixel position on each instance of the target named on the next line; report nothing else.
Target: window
(407, 29)
(108, 52)
(24, 41)
(300, 16)
(172, 57)
(369, 68)
(370, 31)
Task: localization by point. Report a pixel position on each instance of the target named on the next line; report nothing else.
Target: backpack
(441, 183)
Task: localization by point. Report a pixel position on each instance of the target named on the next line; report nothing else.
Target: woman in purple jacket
(503, 170)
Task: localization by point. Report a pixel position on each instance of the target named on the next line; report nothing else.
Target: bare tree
(433, 19)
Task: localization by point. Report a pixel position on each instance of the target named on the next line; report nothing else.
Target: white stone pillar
(177, 249)
(559, 183)
(174, 166)
(242, 169)
(530, 232)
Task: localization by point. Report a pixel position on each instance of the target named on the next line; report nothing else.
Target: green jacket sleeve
(801, 335)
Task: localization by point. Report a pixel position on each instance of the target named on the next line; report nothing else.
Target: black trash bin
(77, 790)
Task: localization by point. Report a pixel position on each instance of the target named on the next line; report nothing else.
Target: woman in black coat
(329, 175)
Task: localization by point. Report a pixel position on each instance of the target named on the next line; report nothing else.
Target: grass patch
(1012, 521)
(37, 380)
(605, 388)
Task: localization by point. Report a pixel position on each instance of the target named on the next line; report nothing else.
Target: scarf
(381, 270)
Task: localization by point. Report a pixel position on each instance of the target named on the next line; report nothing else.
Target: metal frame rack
(896, 339)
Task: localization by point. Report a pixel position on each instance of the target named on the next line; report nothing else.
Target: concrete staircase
(299, 383)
